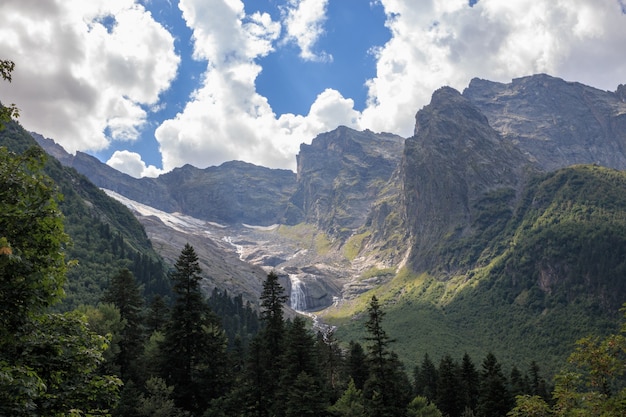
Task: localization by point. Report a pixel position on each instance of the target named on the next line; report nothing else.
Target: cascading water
(297, 299)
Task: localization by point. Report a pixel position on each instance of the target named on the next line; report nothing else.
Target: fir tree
(494, 399)
(124, 293)
(194, 346)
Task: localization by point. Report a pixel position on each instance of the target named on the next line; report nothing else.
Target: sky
(150, 85)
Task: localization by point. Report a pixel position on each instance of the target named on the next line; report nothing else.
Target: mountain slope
(466, 231)
(554, 274)
(105, 235)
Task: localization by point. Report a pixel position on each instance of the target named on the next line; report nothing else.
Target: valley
(465, 231)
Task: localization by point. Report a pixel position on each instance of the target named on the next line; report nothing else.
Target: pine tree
(194, 346)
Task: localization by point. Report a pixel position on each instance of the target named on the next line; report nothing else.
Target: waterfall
(297, 299)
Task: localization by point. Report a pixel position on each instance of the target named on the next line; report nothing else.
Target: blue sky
(150, 85)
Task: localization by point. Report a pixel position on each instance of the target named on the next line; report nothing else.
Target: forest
(191, 355)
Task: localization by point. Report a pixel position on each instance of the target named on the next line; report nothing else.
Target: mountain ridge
(432, 221)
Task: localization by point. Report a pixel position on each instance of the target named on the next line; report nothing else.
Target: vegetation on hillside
(105, 236)
(541, 268)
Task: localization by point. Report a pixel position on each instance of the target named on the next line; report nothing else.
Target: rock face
(454, 158)
(234, 192)
(556, 123)
(490, 137)
(341, 174)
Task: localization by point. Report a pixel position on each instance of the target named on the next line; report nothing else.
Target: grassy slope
(542, 271)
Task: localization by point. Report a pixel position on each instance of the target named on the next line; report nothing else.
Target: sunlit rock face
(341, 174)
(454, 157)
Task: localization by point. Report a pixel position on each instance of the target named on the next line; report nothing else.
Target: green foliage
(240, 321)
(421, 407)
(158, 402)
(7, 113)
(350, 404)
(123, 293)
(530, 406)
(194, 358)
(55, 371)
(32, 264)
(105, 235)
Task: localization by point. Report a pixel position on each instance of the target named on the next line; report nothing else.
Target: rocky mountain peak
(555, 122)
(340, 175)
(453, 159)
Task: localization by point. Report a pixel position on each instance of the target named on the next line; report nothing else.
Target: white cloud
(79, 80)
(304, 22)
(132, 164)
(444, 42)
(226, 118)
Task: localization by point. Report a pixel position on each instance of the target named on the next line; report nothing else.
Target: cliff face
(341, 174)
(556, 123)
(453, 159)
(234, 192)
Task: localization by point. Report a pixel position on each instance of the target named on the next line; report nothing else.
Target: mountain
(105, 235)
(340, 175)
(556, 123)
(498, 226)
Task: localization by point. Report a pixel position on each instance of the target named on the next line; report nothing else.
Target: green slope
(105, 234)
(543, 268)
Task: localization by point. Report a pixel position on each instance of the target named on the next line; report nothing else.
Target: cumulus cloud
(304, 23)
(226, 118)
(85, 70)
(131, 163)
(448, 42)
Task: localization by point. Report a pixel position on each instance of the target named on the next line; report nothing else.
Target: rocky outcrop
(556, 123)
(454, 158)
(341, 174)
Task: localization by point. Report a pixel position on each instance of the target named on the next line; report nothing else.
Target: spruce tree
(356, 364)
(469, 383)
(494, 399)
(262, 376)
(124, 293)
(449, 388)
(386, 389)
(426, 379)
(194, 346)
(273, 299)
